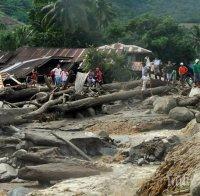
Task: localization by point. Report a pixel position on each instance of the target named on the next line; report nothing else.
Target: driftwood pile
(31, 104)
(49, 155)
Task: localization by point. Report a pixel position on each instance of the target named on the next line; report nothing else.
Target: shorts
(169, 76)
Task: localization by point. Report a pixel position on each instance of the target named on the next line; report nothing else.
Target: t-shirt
(57, 72)
(183, 70)
(196, 68)
(64, 75)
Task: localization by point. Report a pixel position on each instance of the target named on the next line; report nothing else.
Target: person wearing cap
(183, 70)
(196, 71)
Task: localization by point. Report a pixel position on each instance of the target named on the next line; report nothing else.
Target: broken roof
(27, 58)
(119, 47)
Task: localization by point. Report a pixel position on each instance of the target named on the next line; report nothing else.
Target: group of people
(169, 72)
(59, 76)
(95, 77)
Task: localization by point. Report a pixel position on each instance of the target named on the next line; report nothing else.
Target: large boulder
(181, 114)
(195, 185)
(7, 172)
(163, 105)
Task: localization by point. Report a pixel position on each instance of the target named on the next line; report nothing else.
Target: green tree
(114, 66)
(104, 13)
(68, 14)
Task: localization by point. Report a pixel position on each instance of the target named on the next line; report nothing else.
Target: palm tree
(68, 14)
(196, 38)
(104, 13)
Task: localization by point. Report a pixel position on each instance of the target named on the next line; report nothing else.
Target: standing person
(157, 63)
(169, 70)
(57, 74)
(64, 76)
(183, 70)
(90, 78)
(34, 77)
(196, 71)
(145, 76)
(174, 76)
(98, 76)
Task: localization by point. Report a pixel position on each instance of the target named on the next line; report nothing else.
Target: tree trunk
(95, 101)
(56, 171)
(11, 95)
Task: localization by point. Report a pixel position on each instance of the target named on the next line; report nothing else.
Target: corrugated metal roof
(119, 47)
(28, 53)
(5, 56)
(27, 58)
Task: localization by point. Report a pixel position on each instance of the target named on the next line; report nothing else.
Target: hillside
(17, 9)
(181, 10)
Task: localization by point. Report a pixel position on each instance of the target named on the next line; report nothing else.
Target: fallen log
(131, 85)
(95, 101)
(11, 95)
(55, 171)
(75, 148)
(191, 101)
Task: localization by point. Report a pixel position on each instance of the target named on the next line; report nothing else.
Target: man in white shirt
(57, 72)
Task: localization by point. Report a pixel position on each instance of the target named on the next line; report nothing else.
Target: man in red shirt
(183, 70)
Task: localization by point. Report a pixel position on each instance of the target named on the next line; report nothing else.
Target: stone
(181, 114)
(91, 112)
(195, 184)
(1, 104)
(197, 116)
(7, 173)
(152, 158)
(194, 91)
(155, 147)
(103, 134)
(141, 161)
(149, 101)
(19, 191)
(111, 109)
(163, 105)
(4, 159)
(20, 153)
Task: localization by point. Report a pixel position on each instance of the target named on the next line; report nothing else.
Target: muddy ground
(131, 126)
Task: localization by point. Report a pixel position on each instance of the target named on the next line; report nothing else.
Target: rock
(148, 112)
(1, 104)
(195, 185)
(103, 134)
(155, 147)
(197, 116)
(163, 105)
(19, 191)
(181, 114)
(141, 161)
(7, 172)
(91, 112)
(111, 109)
(149, 101)
(20, 153)
(152, 158)
(4, 160)
(194, 91)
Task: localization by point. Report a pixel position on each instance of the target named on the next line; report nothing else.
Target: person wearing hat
(183, 70)
(196, 71)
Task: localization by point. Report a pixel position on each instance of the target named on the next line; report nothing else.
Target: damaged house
(135, 54)
(21, 62)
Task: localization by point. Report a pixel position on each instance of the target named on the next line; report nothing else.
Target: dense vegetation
(82, 23)
(181, 10)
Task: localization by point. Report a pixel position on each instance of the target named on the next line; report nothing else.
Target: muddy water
(123, 180)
